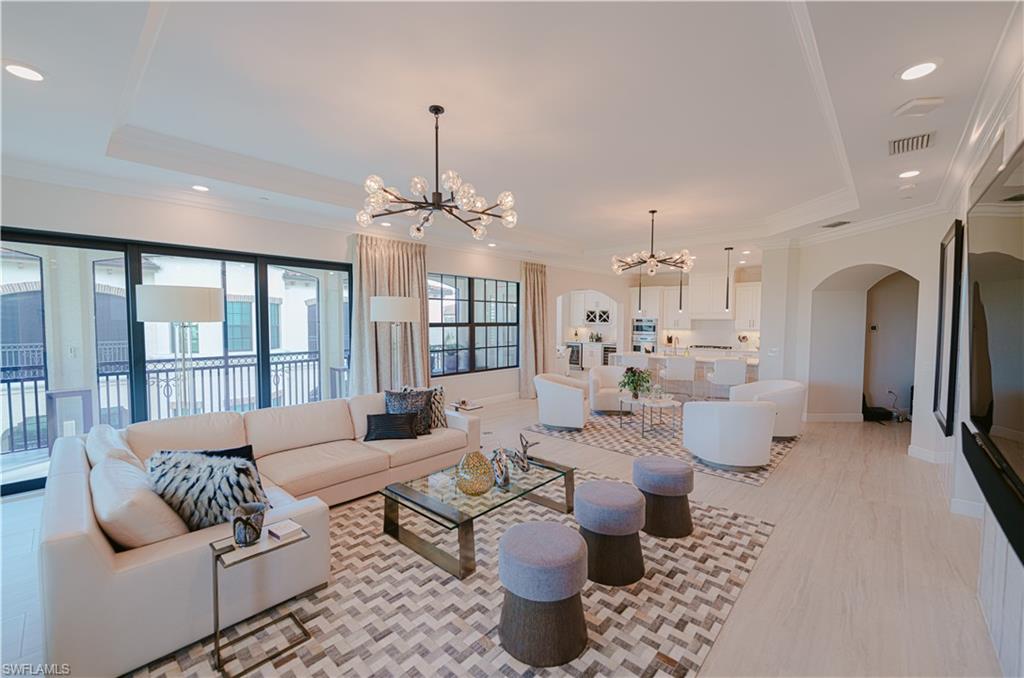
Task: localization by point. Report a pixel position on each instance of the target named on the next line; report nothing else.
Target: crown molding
(876, 224)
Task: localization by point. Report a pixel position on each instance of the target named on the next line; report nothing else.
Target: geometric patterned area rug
(603, 430)
(389, 612)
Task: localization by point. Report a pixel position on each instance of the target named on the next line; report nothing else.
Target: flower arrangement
(636, 381)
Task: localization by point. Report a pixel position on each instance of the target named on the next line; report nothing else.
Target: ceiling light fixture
(743, 261)
(918, 70)
(746, 251)
(200, 188)
(462, 200)
(653, 260)
(491, 244)
(386, 224)
(24, 72)
(728, 275)
(909, 174)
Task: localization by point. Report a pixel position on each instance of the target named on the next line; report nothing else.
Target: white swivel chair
(562, 360)
(727, 372)
(731, 435)
(604, 387)
(788, 397)
(679, 368)
(561, 401)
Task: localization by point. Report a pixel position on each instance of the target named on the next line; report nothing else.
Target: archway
(591, 323)
(848, 358)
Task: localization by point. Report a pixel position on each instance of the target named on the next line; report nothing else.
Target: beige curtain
(534, 308)
(384, 267)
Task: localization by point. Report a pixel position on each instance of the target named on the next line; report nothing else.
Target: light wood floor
(866, 573)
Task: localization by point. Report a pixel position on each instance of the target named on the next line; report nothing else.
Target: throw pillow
(204, 490)
(104, 441)
(438, 418)
(243, 452)
(390, 426)
(398, 402)
(126, 507)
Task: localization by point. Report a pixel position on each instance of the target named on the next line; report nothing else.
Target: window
(193, 338)
(239, 319)
(275, 325)
(474, 324)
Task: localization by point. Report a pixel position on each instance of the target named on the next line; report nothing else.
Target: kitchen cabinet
(645, 302)
(707, 297)
(671, 317)
(577, 309)
(748, 306)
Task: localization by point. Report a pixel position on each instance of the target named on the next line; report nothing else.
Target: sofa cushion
(284, 428)
(126, 507)
(204, 490)
(438, 441)
(106, 441)
(214, 431)
(361, 407)
(309, 469)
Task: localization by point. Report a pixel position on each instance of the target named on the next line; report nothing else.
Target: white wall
(889, 349)
(836, 356)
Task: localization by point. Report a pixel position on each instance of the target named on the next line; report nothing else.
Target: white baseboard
(924, 454)
(972, 509)
(500, 398)
(845, 417)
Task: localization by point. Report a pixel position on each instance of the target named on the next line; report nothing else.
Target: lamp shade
(394, 309)
(174, 303)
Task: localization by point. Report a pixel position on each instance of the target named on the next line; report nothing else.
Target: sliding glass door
(72, 357)
(64, 320)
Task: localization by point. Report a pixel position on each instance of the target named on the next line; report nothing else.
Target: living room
(684, 341)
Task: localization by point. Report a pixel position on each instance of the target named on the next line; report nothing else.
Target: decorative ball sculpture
(474, 474)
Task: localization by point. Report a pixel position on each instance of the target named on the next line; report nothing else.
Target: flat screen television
(995, 303)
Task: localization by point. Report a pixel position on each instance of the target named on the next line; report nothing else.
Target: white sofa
(732, 435)
(107, 611)
(561, 401)
(788, 397)
(604, 387)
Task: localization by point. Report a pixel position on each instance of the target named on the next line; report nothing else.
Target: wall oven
(645, 335)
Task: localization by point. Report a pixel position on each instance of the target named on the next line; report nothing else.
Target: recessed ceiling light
(386, 224)
(743, 261)
(200, 188)
(918, 70)
(491, 244)
(24, 72)
(746, 251)
(909, 174)
(908, 187)
(1001, 167)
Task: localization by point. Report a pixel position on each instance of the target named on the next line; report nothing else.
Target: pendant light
(728, 275)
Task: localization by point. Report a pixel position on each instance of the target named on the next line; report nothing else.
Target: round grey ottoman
(611, 515)
(543, 567)
(665, 483)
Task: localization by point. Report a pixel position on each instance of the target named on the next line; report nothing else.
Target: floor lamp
(181, 306)
(394, 310)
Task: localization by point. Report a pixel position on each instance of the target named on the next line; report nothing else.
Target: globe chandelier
(653, 260)
(462, 202)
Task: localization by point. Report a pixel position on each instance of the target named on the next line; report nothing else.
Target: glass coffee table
(437, 498)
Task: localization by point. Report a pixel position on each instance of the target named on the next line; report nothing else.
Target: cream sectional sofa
(107, 611)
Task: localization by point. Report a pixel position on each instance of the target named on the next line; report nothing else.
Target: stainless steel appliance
(575, 354)
(645, 335)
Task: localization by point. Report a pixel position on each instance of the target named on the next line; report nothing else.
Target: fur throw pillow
(438, 418)
(204, 490)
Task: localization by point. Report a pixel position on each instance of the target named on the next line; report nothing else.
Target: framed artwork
(951, 257)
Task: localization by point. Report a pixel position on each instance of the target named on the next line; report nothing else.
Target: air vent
(918, 107)
(836, 224)
(1015, 198)
(908, 144)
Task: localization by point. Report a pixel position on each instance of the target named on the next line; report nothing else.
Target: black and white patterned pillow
(438, 418)
(403, 402)
(204, 490)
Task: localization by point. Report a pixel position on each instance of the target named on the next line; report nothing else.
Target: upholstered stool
(611, 515)
(665, 483)
(543, 567)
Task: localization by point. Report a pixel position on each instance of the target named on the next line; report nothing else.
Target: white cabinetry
(649, 303)
(672, 318)
(577, 308)
(748, 306)
(707, 297)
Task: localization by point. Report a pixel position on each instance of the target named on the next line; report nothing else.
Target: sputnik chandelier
(653, 260)
(462, 201)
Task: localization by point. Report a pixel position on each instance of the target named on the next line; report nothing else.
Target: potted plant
(636, 381)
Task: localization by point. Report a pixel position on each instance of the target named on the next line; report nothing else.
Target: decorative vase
(474, 475)
(499, 463)
(635, 394)
(248, 522)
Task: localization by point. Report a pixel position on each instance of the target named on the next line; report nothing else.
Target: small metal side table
(227, 554)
